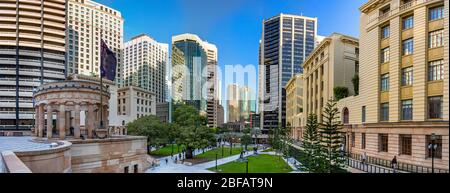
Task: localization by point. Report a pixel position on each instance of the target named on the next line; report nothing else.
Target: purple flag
(108, 62)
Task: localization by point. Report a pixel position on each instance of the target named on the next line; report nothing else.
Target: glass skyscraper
(286, 41)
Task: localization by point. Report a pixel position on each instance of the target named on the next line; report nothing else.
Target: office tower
(233, 109)
(245, 102)
(403, 102)
(194, 78)
(286, 41)
(88, 23)
(145, 63)
(32, 53)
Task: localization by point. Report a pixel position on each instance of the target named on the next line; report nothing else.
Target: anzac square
(69, 137)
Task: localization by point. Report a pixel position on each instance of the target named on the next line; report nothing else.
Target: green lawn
(211, 155)
(268, 150)
(256, 164)
(166, 151)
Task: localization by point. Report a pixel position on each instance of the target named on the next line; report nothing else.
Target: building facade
(286, 42)
(89, 23)
(162, 111)
(134, 103)
(145, 62)
(294, 105)
(404, 83)
(246, 101)
(332, 64)
(32, 53)
(194, 74)
(233, 109)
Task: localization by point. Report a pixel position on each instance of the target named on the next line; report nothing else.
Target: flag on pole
(108, 62)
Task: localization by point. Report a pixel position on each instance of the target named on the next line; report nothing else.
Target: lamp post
(433, 147)
(216, 161)
(246, 168)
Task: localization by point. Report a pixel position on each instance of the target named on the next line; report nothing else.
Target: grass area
(256, 164)
(268, 150)
(166, 151)
(211, 155)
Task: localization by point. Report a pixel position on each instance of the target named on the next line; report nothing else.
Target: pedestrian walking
(167, 161)
(176, 159)
(364, 157)
(394, 163)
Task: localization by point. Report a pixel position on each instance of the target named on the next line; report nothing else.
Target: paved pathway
(172, 167)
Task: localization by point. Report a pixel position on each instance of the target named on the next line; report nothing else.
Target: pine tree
(312, 160)
(331, 137)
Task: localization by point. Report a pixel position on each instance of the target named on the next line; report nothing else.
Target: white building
(88, 23)
(145, 63)
(133, 103)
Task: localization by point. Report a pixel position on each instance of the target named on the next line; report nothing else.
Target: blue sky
(233, 25)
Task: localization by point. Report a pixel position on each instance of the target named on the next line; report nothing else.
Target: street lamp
(216, 161)
(433, 147)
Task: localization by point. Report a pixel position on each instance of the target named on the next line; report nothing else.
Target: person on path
(394, 163)
(167, 161)
(364, 157)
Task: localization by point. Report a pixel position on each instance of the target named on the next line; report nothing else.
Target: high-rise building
(32, 53)
(233, 109)
(194, 76)
(145, 62)
(403, 102)
(88, 23)
(245, 102)
(286, 41)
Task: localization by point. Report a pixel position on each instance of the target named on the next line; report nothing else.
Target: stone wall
(56, 160)
(110, 155)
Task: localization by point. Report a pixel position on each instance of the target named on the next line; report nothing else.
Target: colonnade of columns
(68, 118)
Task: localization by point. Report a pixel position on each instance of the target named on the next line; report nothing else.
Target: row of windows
(435, 109)
(435, 73)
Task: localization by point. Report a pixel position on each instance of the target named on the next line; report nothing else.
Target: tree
(340, 92)
(246, 139)
(332, 137)
(355, 81)
(192, 130)
(313, 160)
(151, 127)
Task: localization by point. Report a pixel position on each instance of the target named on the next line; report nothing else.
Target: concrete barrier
(12, 164)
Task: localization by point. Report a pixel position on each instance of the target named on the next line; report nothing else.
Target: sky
(234, 26)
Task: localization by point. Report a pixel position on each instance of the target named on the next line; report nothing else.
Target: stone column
(41, 121)
(36, 121)
(90, 121)
(67, 124)
(76, 124)
(49, 122)
(62, 121)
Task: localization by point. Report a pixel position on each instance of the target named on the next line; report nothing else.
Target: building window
(435, 110)
(436, 13)
(385, 55)
(136, 168)
(353, 139)
(385, 82)
(384, 112)
(385, 32)
(438, 144)
(383, 141)
(408, 22)
(436, 70)
(405, 145)
(363, 141)
(407, 76)
(407, 110)
(346, 116)
(363, 114)
(436, 39)
(408, 47)
(126, 169)
(356, 67)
